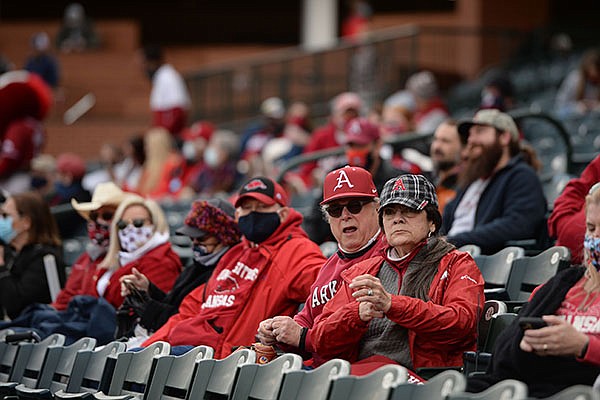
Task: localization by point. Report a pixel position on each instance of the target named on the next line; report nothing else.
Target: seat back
(7, 355)
(172, 375)
(576, 392)
(529, 272)
(88, 374)
(215, 378)
(59, 364)
(498, 323)
(490, 308)
(472, 249)
(496, 268)
(314, 384)
(132, 369)
(262, 382)
(439, 387)
(30, 359)
(508, 389)
(375, 386)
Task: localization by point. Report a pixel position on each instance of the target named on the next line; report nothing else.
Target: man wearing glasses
(350, 206)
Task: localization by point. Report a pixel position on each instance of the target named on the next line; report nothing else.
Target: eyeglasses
(353, 206)
(105, 215)
(406, 212)
(137, 222)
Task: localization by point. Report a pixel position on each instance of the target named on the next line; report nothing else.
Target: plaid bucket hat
(412, 191)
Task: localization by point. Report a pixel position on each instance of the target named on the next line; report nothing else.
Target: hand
(287, 331)
(369, 288)
(265, 332)
(366, 311)
(559, 338)
(137, 279)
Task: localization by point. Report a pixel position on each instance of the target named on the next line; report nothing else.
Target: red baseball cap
(264, 190)
(200, 129)
(361, 131)
(348, 182)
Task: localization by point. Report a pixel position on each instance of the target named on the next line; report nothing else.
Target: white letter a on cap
(341, 179)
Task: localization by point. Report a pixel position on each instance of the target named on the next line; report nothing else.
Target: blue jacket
(512, 207)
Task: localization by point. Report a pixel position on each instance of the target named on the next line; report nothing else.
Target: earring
(429, 234)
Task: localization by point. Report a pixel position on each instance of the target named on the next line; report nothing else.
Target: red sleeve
(567, 221)
(173, 119)
(17, 147)
(188, 308)
(73, 284)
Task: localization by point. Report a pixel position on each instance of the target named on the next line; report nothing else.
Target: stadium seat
(576, 392)
(172, 375)
(91, 372)
(216, 378)
(29, 362)
(56, 370)
(132, 372)
(437, 388)
(508, 389)
(375, 386)
(262, 382)
(313, 384)
(472, 249)
(496, 269)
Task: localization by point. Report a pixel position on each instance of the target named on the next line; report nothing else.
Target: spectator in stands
(42, 175)
(41, 62)
(163, 168)
(430, 109)
(565, 352)
(110, 157)
(350, 205)
(397, 114)
(85, 273)
(218, 173)
(498, 93)
(567, 221)
(211, 226)
(29, 234)
(139, 237)
(500, 196)
(25, 101)
(169, 99)
(269, 273)
(417, 303)
(77, 32)
(357, 20)
(446, 154)
(580, 91)
(344, 107)
(127, 172)
(195, 140)
(70, 169)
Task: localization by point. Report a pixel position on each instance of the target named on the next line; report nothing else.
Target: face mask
(490, 100)
(358, 158)
(257, 227)
(199, 253)
(38, 182)
(592, 245)
(188, 150)
(7, 233)
(99, 234)
(132, 238)
(211, 157)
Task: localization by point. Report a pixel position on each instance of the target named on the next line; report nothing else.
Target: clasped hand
(374, 300)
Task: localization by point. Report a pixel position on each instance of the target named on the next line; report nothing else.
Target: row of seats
(50, 370)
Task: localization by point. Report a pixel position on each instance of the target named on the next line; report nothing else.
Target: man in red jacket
(350, 205)
(269, 273)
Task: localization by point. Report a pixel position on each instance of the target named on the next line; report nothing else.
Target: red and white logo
(399, 185)
(341, 180)
(255, 184)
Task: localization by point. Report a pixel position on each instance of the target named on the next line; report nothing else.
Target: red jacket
(82, 281)
(161, 266)
(439, 331)
(326, 285)
(21, 142)
(567, 221)
(250, 283)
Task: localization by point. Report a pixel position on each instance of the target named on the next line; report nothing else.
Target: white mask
(188, 150)
(132, 238)
(211, 157)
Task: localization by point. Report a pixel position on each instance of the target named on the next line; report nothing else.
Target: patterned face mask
(99, 234)
(592, 245)
(132, 238)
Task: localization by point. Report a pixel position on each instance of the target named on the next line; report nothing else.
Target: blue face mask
(592, 245)
(257, 226)
(199, 253)
(7, 233)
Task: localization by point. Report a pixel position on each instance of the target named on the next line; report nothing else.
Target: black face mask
(258, 227)
(38, 182)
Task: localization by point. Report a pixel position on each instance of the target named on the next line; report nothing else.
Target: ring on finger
(370, 292)
(545, 347)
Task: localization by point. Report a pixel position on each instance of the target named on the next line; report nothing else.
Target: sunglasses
(391, 211)
(353, 206)
(105, 215)
(137, 222)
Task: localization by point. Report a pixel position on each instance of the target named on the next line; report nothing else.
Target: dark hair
(43, 228)
(514, 146)
(153, 52)
(434, 215)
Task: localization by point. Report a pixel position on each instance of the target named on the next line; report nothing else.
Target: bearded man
(446, 154)
(500, 196)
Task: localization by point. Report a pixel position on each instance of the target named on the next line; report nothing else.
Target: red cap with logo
(348, 182)
(361, 131)
(264, 190)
